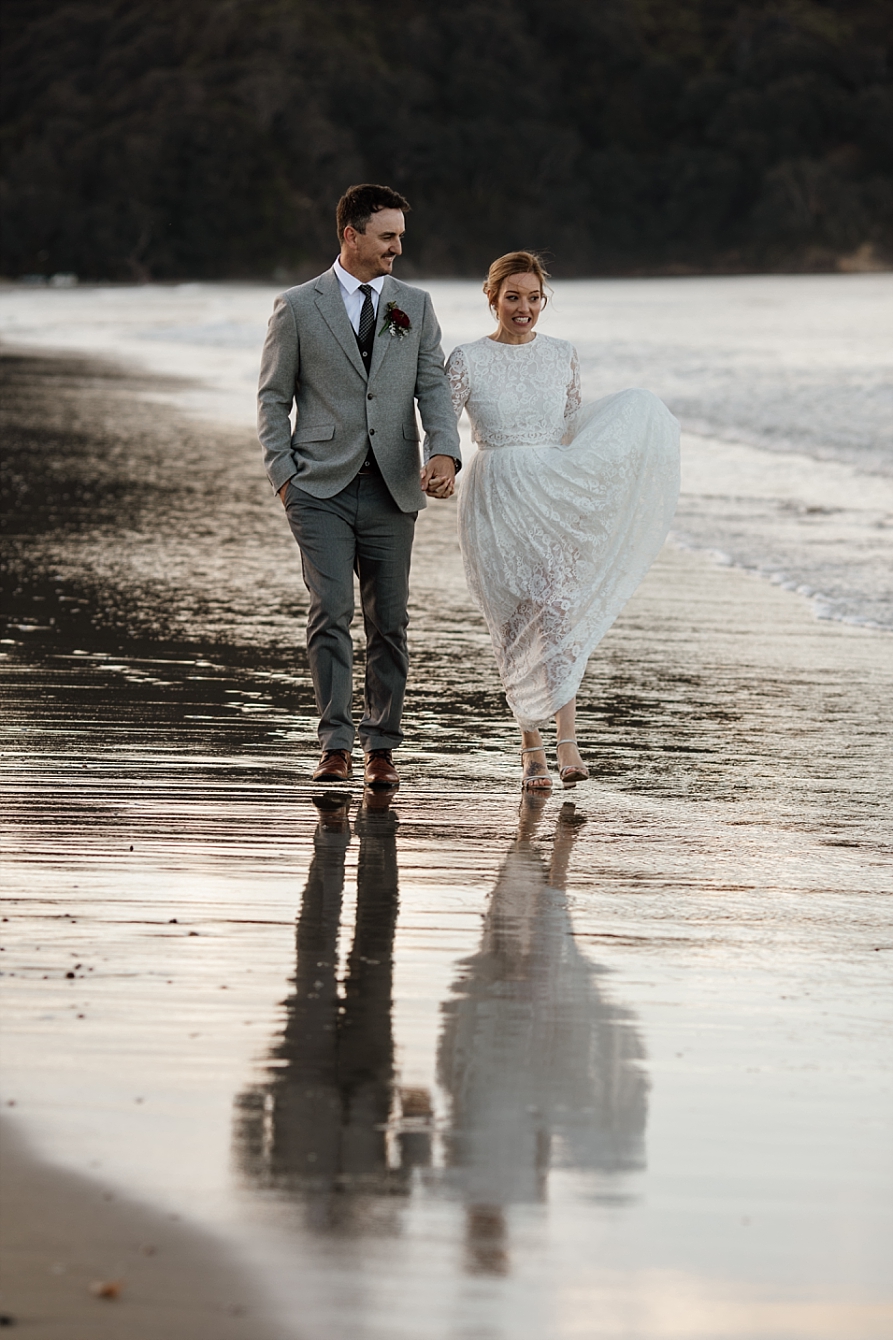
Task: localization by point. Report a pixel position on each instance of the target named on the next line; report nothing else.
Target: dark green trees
(175, 138)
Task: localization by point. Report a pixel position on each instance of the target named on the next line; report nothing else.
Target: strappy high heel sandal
(573, 773)
(537, 776)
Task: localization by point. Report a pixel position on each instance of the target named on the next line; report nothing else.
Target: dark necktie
(367, 316)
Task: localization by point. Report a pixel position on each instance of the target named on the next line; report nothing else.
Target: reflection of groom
(319, 1125)
(355, 350)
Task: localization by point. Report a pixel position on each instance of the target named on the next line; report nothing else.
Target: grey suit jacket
(311, 358)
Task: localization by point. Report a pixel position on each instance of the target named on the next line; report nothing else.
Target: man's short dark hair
(359, 203)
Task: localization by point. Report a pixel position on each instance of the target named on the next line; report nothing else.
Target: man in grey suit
(355, 350)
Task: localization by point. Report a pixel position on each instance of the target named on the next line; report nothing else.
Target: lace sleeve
(574, 396)
(457, 376)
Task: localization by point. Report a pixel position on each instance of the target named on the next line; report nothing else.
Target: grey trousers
(360, 530)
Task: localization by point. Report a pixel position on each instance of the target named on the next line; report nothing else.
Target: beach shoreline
(728, 882)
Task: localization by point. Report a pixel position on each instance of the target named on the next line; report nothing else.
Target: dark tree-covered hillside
(200, 138)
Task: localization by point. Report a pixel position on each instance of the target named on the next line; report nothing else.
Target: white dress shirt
(353, 298)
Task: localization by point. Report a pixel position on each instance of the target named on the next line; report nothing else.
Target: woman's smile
(517, 307)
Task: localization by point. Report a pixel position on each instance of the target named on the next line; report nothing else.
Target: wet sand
(613, 1067)
(83, 1262)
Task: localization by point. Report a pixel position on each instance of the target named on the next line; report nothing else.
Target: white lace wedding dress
(561, 512)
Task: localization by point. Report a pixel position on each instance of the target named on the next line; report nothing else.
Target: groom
(354, 351)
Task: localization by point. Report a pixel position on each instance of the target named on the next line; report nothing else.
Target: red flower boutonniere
(395, 321)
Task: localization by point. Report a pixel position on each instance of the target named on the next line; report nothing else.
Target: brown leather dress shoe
(380, 770)
(334, 766)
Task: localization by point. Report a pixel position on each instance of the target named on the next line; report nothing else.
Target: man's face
(373, 253)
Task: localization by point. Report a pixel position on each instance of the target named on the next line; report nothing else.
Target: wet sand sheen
(65, 1237)
(721, 900)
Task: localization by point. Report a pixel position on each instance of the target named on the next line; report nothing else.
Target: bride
(562, 511)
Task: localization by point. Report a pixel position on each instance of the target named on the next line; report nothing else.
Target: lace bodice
(556, 536)
(516, 394)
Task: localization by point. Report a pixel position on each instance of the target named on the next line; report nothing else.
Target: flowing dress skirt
(555, 540)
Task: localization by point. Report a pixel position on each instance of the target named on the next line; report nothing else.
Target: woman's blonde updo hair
(514, 263)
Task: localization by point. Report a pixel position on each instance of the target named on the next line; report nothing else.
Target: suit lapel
(332, 309)
(383, 340)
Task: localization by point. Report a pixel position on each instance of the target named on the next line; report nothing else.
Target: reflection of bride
(540, 1068)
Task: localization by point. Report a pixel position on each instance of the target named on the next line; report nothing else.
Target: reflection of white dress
(561, 512)
(540, 1067)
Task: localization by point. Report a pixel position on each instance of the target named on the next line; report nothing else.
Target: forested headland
(166, 139)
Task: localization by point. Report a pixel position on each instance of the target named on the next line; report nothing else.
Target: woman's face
(518, 306)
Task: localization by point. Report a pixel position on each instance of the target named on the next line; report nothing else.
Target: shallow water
(615, 1067)
(784, 385)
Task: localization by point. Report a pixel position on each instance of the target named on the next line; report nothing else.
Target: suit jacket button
(371, 432)
(370, 397)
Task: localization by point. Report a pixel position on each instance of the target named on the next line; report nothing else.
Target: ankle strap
(558, 742)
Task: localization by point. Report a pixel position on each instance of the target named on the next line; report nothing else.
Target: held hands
(438, 478)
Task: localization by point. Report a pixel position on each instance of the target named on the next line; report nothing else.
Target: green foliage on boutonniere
(396, 322)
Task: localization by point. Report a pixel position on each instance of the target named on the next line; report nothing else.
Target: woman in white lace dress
(562, 511)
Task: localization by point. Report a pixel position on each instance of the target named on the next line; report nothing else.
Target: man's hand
(438, 479)
(283, 491)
